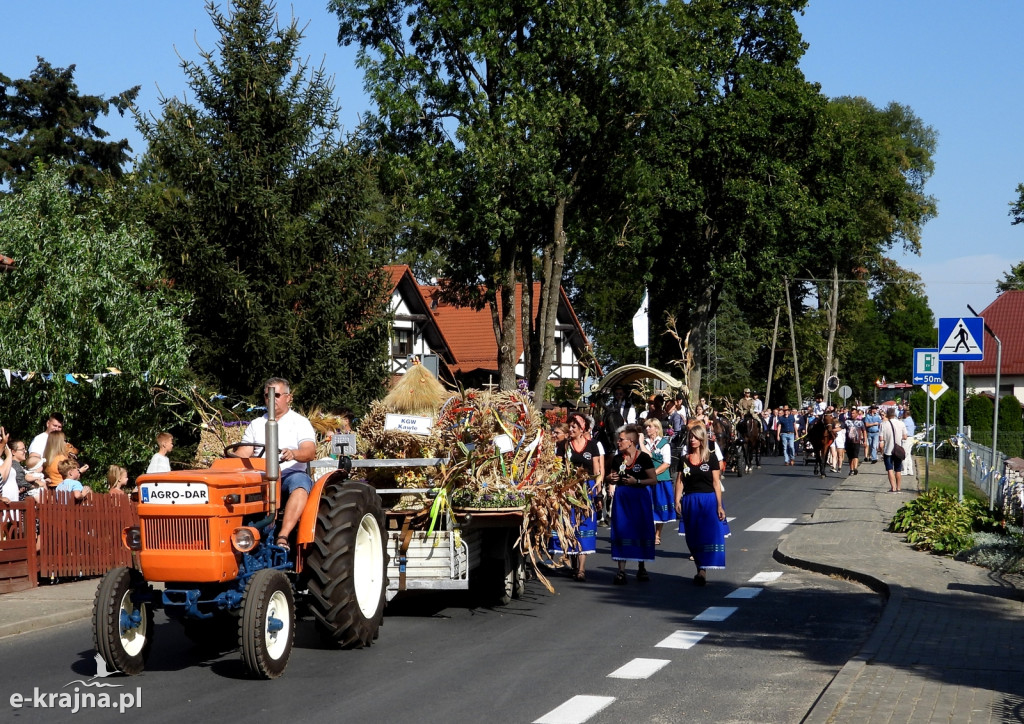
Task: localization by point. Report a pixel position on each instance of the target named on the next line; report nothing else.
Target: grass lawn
(942, 476)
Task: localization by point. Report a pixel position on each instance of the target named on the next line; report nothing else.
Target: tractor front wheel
(122, 629)
(266, 628)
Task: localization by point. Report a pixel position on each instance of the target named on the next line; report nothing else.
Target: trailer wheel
(122, 631)
(347, 565)
(266, 628)
(519, 573)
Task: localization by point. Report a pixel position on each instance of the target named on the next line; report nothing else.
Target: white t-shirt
(758, 405)
(38, 444)
(292, 430)
(159, 464)
(9, 488)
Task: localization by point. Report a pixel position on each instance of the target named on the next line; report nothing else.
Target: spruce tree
(269, 221)
(45, 117)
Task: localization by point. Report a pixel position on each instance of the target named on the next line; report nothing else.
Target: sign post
(961, 339)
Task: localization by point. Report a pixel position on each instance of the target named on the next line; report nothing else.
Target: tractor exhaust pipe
(273, 451)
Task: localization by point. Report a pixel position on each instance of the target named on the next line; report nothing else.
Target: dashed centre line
(576, 711)
(640, 669)
(716, 613)
(681, 640)
(766, 577)
(745, 592)
(771, 525)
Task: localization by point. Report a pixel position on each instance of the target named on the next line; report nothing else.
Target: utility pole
(771, 360)
(792, 336)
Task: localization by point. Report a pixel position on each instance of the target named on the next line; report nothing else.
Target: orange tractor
(204, 553)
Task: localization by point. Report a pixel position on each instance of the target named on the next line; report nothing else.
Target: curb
(38, 623)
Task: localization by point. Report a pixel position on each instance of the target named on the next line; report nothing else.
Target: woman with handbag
(890, 444)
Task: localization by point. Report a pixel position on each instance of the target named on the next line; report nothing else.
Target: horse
(751, 430)
(722, 430)
(821, 435)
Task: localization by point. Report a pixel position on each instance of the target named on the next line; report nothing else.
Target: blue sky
(954, 63)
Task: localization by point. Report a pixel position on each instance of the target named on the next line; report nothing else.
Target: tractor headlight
(244, 539)
(132, 538)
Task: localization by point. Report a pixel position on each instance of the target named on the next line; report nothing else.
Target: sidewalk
(46, 605)
(950, 643)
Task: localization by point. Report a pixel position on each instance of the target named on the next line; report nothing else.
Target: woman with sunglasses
(632, 531)
(698, 496)
(586, 453)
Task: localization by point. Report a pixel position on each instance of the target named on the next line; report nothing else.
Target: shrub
(937, 521)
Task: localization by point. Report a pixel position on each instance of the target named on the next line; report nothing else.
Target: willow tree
(97, 323)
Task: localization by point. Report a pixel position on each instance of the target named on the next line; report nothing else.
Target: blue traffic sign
(961, 339)
(927, 367)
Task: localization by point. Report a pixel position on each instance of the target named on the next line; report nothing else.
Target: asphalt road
(738, 650)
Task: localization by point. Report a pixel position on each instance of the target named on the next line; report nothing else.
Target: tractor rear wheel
(122, 630)
(347, 565)
(266, 627)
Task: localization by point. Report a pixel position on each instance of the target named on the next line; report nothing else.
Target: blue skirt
(705, 533)
(632, 530)
(586, 529)
(664, 504)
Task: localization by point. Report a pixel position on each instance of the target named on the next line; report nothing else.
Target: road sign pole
(960, 440)
(927, 417)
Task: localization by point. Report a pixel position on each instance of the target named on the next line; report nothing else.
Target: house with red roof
(415, 333)
(1005, 317)
(467, 343)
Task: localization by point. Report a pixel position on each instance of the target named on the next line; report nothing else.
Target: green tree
(1012, 280)
(86, 296)
(270, 222)
(978, 413)
(507, 116)
(45, 117)
(1011, 427)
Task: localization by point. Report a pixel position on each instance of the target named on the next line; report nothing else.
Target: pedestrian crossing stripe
(960, 340)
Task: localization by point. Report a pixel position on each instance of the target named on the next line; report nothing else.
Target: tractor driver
(298, 446)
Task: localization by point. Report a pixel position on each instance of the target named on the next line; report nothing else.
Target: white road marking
(766, 577)
(745, 592)
(771, 525)
(681, 640)
(577, 710)
(716, 613)
(639, 669)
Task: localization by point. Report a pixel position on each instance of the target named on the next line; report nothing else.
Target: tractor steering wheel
(230, 450)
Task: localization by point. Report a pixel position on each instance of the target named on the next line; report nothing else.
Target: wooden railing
(18, 560)
(75, 539)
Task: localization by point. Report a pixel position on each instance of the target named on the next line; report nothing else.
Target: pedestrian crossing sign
(961, 339)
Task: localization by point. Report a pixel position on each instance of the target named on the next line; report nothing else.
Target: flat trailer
(464, 547)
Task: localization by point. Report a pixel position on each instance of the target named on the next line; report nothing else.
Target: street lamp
(995, 418)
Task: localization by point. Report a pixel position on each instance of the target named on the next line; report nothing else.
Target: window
(401, 343)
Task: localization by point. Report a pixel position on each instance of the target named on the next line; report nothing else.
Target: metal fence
(979, 469)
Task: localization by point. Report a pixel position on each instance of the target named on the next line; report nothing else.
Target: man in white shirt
(297, 439)
(758, 404)
(54, 423)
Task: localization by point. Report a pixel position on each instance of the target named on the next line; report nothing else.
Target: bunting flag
(70, 377)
